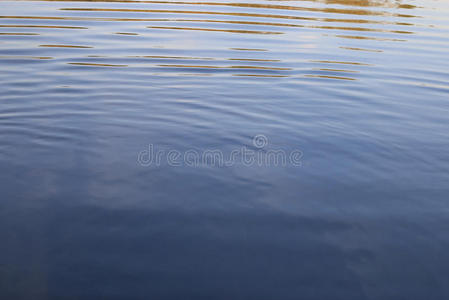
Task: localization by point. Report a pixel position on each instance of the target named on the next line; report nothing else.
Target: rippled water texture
(358, 88)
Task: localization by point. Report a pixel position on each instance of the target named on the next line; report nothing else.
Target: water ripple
(358, 87)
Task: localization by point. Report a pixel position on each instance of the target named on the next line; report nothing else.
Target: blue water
(91, 92)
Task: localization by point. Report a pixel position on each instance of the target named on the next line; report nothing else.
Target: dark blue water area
(363, 216)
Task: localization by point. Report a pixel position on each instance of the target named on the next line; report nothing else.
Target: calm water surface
(359, 87)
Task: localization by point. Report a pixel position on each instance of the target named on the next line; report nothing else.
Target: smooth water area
(146, 149)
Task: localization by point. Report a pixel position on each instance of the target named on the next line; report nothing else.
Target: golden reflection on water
(359, 37)
(104, 19)
(65, 46)
(262, 76)
(329, 77)
(173, 57)
(360, 49)
(226, 67)
(18, 33)
(43, 26)
(309, 24)
(24, 57)
(336, 70)
(340, 62)
(247, 49)
(95, 65)
(127, 33)
(216, 30)
(257, 15)
(253, 59)
(357, 11)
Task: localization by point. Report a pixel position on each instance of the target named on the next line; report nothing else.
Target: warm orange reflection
(228, 67)
(96, 65)
(329, 77)
(43, 26)
(260, 31)
(127, 33)
(18, 33)
(216, 30)
(65, 46)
